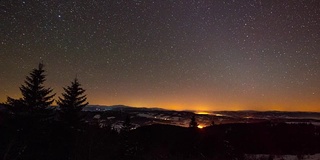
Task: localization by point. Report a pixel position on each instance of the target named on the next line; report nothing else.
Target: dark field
(31, 139)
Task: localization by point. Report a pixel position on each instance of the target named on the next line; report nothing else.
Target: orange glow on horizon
(202, 113)
(199, 104)
(200, 126)
(311, 107)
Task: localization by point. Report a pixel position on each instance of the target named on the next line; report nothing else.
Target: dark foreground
(88, 142)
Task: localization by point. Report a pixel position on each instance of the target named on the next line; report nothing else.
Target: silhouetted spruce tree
(71, 103)
(127, 124)
(193, 123)
(36, 99)
(212, 123)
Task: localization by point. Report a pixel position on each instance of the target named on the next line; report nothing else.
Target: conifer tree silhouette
(71, 103)
(36, 99)
(127, 124)
(193, 123)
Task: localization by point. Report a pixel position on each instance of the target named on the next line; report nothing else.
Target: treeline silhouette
(31, 128)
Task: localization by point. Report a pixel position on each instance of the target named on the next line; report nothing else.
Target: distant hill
(117, 108)
(247, 114)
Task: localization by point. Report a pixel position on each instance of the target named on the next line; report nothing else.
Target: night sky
(174, 54)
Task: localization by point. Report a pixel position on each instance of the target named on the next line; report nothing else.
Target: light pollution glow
(186, 104)
(190, 101)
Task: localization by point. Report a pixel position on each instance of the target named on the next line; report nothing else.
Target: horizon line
(193, 110)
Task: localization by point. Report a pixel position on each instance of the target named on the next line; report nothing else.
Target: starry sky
(173, 54)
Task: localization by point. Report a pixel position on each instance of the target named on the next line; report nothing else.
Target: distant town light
(200, 126)
(202, 112)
